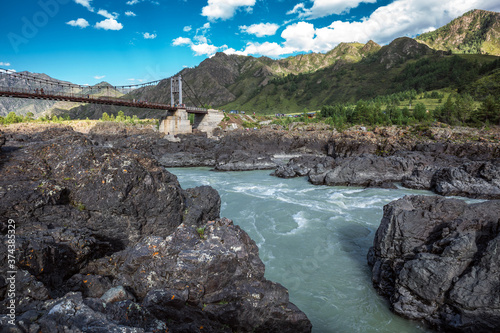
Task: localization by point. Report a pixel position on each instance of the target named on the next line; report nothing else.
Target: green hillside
(475, 32)
(402, 65)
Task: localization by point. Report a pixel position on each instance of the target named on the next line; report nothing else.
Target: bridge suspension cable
(47, 88)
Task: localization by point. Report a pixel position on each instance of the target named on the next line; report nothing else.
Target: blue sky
(132, 41)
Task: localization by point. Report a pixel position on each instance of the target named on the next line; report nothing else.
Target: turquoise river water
(313, 240)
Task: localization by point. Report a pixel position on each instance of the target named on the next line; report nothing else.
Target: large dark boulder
(302, 165)
(364, 170)
(92, 218)
(202, 205)
(243, 161)
(212, 271)
(436, 260)
(118, 194)
(473, 180)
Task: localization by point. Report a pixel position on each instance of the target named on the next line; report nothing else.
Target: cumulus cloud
(109, 24)
(147, 35)
(322, 8)
(106, 14)
(130, 13)
(233, 51)
(187, 28)
(6, 64)
(8, 71)
(81, 23)
(97, 77)
(182, 41)
(204, 49)
(86, 4)
(261, 29)
(267, 49)
(397, 19)
(400, 18)
(204, 29)
(225, 9)
(133, 2)
(199, 48)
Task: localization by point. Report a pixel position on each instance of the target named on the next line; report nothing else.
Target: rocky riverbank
(448, 161)
(93, 227)
(436, 260)
(107, 241)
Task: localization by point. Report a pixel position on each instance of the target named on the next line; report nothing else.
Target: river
(313, 240)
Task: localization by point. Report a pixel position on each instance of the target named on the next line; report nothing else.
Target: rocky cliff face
(401, 50)
(107, 241)
(436, 260)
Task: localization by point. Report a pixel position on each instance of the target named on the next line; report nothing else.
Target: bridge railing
(84, 97)
(189, 108)
(89, 98)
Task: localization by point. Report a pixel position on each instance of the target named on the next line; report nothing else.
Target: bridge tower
(175, 89)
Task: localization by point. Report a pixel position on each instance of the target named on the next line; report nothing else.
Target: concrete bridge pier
(208, 122)
(176, 122)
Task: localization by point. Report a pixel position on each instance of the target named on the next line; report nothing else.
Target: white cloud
(106, 14)
(199, 48)
(261, 29)
(109, 24)
(299, 36)
(181, 41)
(233, 51)
(267, 49)
(204, 49)
(7, 64)
(187, 28)
(400, 18)
(322, 8)
(147, 35)
(201, 39)
(225, 9)
(86, 4)
(97, 77)
(8, 71)
(82, 23)
(298, 8)
(133, 2)
(130, 13)
(204, 28)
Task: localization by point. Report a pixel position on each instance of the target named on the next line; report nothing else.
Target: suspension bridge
(175, 121)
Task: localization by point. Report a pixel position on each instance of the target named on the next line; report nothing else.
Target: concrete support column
(208, 122)
(176, 122)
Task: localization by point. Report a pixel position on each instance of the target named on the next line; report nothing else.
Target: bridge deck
(83, 98)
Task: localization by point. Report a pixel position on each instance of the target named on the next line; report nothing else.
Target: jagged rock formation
(107, 241)
(436, 260)
(401, 50)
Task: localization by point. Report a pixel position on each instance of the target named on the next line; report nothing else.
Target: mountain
(349, 72)
(225, 79)
(343, 81)
(475, 32)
